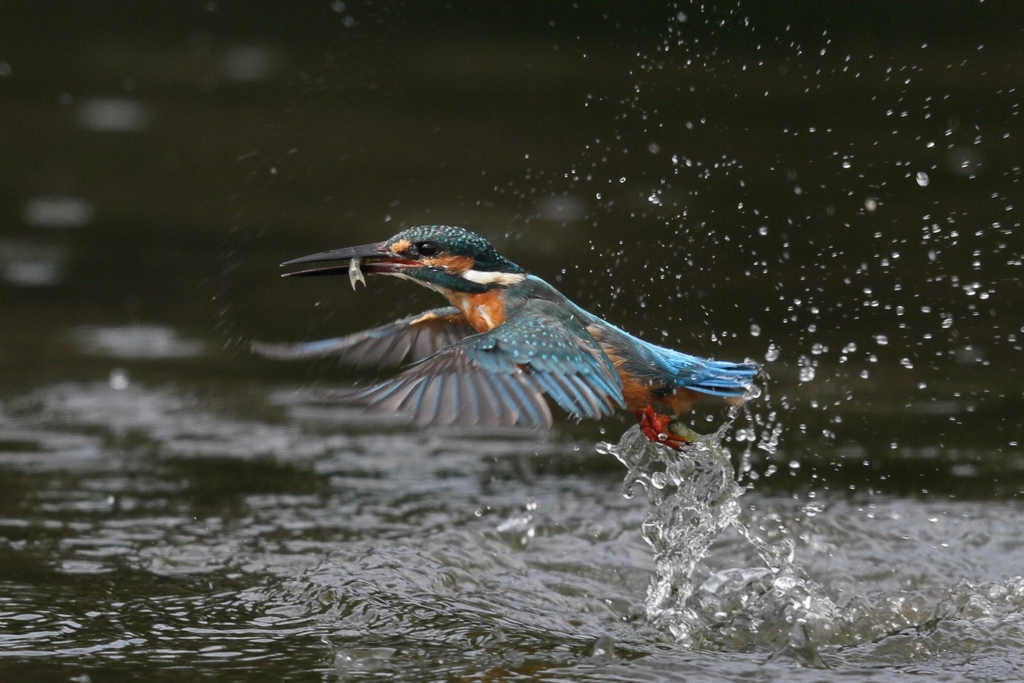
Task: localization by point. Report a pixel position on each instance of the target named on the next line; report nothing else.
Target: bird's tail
(717, 378)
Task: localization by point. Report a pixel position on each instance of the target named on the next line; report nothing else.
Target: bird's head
(437, 256)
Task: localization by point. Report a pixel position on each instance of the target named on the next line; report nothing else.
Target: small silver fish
(354, 273)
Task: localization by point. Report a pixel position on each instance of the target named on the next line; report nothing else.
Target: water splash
(774, 607)
(693, 496)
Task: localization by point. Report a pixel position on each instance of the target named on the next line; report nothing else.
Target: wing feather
(391, 397)
(500, 377)
(492, 410)
(565, 394)
(533, 411)
(470, 414)
(414, 401)
(590, 407)
(448, 400)
(413, 338)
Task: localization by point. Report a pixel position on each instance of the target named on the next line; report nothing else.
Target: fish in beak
(367, 258)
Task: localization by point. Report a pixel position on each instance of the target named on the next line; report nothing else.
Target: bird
(506, 339)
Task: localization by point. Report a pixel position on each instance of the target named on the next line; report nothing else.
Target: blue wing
(416, 337)
(500, 377)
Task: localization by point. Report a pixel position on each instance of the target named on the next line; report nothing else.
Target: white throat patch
(482, 277)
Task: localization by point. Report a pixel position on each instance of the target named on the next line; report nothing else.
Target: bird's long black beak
(375, 258)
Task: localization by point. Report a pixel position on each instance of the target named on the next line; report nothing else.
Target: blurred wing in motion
(499, 377)
(413, 338)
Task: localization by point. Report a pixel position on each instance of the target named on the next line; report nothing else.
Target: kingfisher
(507, 339)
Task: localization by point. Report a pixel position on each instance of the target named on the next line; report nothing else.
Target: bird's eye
(427, 248)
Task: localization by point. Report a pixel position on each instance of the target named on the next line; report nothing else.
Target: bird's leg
(655, 428)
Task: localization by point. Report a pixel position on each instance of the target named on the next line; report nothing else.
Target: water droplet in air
(922, 179)
(806, 373)
(772, 354)
(755, 330)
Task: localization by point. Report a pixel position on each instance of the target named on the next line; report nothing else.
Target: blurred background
(832, 189)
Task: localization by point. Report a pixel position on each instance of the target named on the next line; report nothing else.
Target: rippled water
(795, 605)
(152, 527)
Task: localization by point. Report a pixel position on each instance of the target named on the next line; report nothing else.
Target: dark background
(258, 132)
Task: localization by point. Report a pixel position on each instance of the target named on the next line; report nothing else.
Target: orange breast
(483, 311)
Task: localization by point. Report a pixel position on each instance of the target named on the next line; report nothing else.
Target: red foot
(654, 427)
